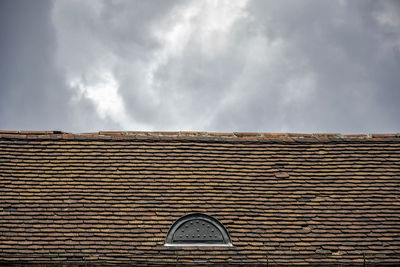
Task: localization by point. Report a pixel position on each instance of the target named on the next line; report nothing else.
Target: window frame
(202, 217)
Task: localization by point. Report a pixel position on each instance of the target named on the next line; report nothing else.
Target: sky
(306, 66)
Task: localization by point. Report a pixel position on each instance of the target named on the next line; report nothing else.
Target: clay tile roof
(285, 199)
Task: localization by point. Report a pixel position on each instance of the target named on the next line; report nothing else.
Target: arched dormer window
(197, 230)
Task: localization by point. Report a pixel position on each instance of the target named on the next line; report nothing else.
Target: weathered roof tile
(111, 197)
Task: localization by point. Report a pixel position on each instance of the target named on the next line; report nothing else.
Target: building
(195, 198)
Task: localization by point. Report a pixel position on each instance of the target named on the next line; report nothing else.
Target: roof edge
(250, 136)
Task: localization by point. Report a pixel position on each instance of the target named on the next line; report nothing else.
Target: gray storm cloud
(248, 65)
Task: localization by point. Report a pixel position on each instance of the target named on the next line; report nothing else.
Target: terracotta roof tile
(111, 197)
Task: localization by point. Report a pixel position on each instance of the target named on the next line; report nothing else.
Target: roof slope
(111, 197)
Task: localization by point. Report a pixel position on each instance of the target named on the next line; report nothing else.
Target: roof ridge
(191, 134)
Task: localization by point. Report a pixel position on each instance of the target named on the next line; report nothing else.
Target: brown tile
(115, 196)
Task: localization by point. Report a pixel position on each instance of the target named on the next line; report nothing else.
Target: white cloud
(229, 65)
(88, 62)
(102, 89)
(94, 65)
(202, 27)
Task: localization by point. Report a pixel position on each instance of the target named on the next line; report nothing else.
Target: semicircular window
(197, 230)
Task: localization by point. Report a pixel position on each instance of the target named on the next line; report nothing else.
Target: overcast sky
(256, 65)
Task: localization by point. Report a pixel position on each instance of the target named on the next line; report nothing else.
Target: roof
(111, 197)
